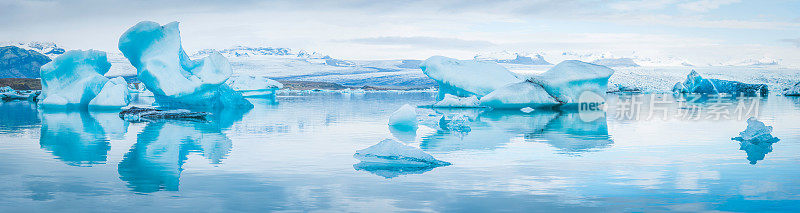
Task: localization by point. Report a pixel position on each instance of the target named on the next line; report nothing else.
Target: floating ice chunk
(756, 130)
(456, 102)
(115, 94)
(6, 89)
(695, 83)
(74, 78)
(518, 95)
(175, 80)
(568, 80)
(392, 152)
(254, 86)
(405, 117)
(527, 110)
(19, 95)
(455, 122)
(148, 114)
(793, 91)
(466, 78)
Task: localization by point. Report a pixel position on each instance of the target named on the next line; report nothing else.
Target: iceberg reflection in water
(563, 130)
(155, 161)
(80, 138)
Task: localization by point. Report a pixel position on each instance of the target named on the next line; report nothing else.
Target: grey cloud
(421, 41)
(795, 41)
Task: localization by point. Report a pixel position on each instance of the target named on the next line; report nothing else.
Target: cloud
(423, 41)
(795, 41)
(706, 5)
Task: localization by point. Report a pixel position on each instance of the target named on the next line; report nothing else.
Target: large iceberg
(174, 79)
(75, 79)
(565, 83)
(466, 78)
(392, 152)
(254, 86)
(404, 118)
(695, 83)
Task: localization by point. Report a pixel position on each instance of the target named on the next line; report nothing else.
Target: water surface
(296, 154)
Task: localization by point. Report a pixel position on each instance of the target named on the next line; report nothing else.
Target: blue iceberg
(75, 79)
(174, 79)
(393, 153)
(695, 83)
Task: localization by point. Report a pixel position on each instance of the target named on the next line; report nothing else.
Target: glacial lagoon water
(295, 153)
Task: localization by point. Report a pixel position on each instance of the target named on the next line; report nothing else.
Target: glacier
(392, 152)
(404, 118)
(75, 79)
(174, 79)
(466, 78)
(695, 83)
(254, 86)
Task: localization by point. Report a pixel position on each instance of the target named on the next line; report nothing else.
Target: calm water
(295, 154)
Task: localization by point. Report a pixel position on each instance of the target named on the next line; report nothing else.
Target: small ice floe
(756, 131)
(254, 86)
(137, 114)
(8, 94)
(455, 122)
(392, 158)
(526, 110)
(756, 140)
(452, 101)
(404, 118)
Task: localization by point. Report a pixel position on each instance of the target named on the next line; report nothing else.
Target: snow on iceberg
(174, 79)
(404, 118)
(254, 86)
(756, 131)
(74, 79)
(392, 152)
(452, 101)
(466, 78)
(695, 83)
(113, 95)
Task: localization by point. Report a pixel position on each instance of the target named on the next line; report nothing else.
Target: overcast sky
(719, 29)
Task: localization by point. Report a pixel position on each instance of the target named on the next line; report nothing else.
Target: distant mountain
(515, 58)
(16, 62)
(616, 62)
(50, 49)
(244, 52)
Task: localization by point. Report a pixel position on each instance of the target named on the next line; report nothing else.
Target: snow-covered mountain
(50, 49)
(513, 58)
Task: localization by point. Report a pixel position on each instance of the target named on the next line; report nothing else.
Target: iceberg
(137, 114)
(392, 152)
(565, 83)
(254, 86)
(404, 118)
(113, 95)
(452, 101)
(792, 91)
(756, 131)
(466, 78)
(73, 79)
(756, 140)
(695, 83)
(9, 94)
(174, 79)
(455, 122)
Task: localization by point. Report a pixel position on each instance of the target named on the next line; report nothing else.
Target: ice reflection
(17, 116)
(80, 138)
(564, 130)
(155, 162)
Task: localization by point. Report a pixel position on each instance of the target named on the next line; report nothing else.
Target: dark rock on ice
(150, 114)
